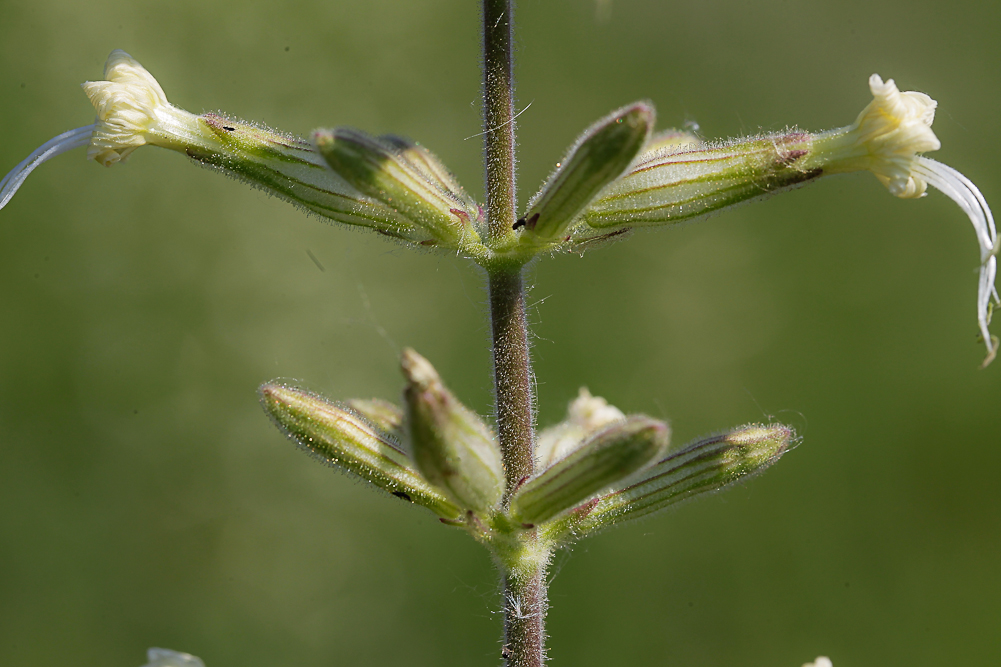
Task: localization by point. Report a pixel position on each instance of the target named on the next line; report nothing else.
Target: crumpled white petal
(130, 106)
(893, 128)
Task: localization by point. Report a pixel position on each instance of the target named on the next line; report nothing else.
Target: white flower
(892, 129)
(162, 657)
(820, 662)
(886, 139)
(132, 111)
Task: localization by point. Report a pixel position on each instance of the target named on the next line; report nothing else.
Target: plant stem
(525, 607)
(512, 375)
(498, 115)
(525, 594)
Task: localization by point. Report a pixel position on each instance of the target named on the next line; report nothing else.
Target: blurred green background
(147, 501)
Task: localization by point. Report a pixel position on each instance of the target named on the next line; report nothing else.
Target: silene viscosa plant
(522, 494)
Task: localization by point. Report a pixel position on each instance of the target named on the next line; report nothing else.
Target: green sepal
(382, 413)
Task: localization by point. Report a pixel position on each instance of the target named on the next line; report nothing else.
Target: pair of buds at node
(618, 176)
(596, 468)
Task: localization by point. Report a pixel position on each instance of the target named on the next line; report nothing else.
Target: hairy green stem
(525, 594)
(498, 115)
(513, 382)
(525, 607)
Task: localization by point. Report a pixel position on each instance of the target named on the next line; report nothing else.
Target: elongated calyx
(704, 466)
(450, 444)
(672, 181)
(602, 467)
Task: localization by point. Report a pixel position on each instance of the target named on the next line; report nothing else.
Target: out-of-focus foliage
(145, 499)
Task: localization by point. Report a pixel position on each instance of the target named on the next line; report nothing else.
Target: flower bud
(599, 156)
(606, 458)
(451, 445)
(586, 415)
(703, 466)
(428, 164)
(343, 438)
(379, 169)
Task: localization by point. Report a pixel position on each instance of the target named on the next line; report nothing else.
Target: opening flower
(886, 139)
(674, 182)
(133, 111)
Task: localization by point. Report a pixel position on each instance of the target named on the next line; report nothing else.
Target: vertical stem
(498, 114)
(525, 617)
(524, 585)
(525, 594)
(512, 375)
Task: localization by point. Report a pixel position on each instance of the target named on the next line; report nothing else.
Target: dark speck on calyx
(228, 128)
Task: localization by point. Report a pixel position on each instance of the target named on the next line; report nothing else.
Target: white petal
(969, 198)
(51, 148)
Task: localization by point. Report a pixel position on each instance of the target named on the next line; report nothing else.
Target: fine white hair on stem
(962, 191)
(51, 148)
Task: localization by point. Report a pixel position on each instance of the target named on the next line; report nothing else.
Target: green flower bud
(405, 178)
(586, 415)
(450, 444)
(700, 467)
(343, 438)
(598, 157)
(606, 458)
